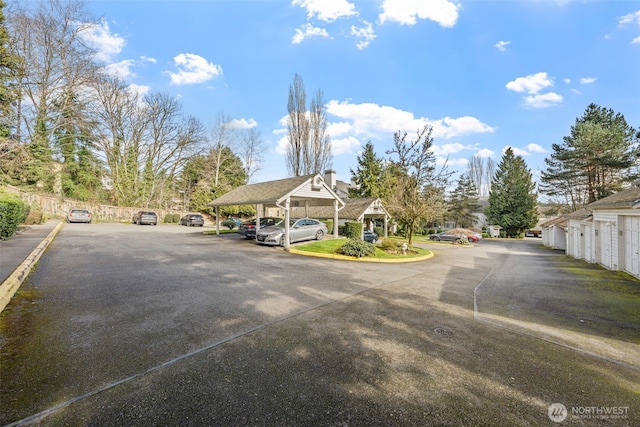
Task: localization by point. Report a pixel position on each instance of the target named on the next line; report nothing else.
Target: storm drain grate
(443, 331)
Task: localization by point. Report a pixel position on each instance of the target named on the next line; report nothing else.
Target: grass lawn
(222, 231)
(330, 246)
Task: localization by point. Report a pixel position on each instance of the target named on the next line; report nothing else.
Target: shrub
(391, 246)
(485, 235)
(229, 223)
(358, 248)
(175, 218)
(329, 224)
(379, 231)
(12, 212)
(353, 230)
(168, 218)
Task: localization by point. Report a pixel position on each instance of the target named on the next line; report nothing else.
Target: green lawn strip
(225, 231)
(330, 246)
(615, 295)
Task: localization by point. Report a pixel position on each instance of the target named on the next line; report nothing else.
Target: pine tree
(594, 161)
(512, 200)
(463, 202)
(371, 178)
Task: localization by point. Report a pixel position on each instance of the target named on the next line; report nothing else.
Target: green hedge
(12, 213)
(353, 230)
(329, 224)
(171, 218)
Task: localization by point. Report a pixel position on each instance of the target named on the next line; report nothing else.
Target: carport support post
(335, 219)
(258, 207)
(287, 207)
(218, 220)
(386, 226)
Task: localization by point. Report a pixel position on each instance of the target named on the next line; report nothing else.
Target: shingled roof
(268, 192)
(625, 199)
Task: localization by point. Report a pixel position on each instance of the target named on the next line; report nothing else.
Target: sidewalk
(21, 251)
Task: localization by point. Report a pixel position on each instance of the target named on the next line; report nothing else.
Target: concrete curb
(10, 286)
(364, 259)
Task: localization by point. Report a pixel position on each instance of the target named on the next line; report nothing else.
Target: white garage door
(632, 245)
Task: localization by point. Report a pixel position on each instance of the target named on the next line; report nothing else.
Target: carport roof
(272, 192)
(353, 209)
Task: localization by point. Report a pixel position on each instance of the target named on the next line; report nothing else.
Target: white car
(299, 230)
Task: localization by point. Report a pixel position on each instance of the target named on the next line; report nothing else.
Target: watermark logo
(557, 412)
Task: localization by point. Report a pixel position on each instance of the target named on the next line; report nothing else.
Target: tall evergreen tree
(371, 177)
(513, 199)
(594, 161)
(463, 202)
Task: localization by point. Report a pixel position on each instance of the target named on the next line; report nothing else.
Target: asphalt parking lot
(141, 325)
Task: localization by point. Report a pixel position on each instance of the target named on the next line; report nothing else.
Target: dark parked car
(369, 236)
(145, 217)
(445, 236)
(192, 220)
(299, 230)
(248, 228)
(79, 215)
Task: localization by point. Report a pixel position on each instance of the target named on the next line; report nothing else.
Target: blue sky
(485, 74)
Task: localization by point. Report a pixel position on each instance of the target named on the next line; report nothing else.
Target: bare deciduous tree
(309, 149)
(251, 151)
(481, 171)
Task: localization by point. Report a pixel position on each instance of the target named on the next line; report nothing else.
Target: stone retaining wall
(57, 207)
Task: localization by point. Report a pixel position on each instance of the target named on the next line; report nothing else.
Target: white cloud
(370, 120)
(450, 128)
(243, 123)
(588, 80)
(346, 145)
(98, 36)
(446, 149)
(365, 35)
(567, 80)
(532, 83)
(326, 10)
(148, 59)
(485, 152)
(121, 70)
(307, 31)
(535, 148)
(193, 69)
(444, 12)
(631, 18)
(502, 45)
(543, 100)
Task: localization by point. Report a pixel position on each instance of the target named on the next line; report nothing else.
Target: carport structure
(360, 210)
(300, 191)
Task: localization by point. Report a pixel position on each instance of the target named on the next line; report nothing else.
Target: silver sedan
(299, 230)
